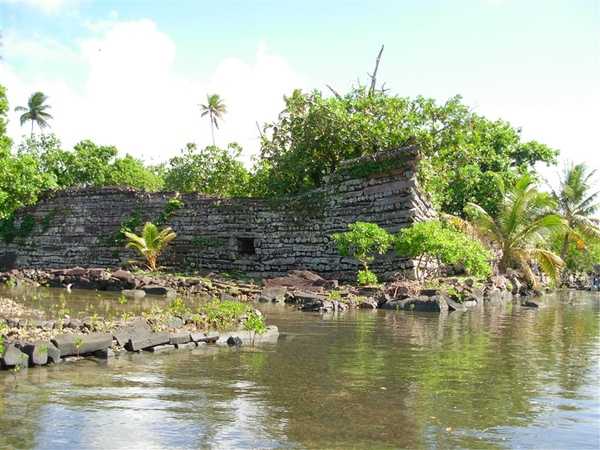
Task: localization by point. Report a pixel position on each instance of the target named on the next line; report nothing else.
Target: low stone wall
(265, 237)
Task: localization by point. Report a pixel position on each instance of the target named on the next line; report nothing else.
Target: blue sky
(534, 63)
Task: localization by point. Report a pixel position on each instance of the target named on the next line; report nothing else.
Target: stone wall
(80, 227)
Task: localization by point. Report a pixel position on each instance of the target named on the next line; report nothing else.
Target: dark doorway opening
(246, 246)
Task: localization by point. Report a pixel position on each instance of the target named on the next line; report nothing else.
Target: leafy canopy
(434, 243)
(363, 241)
(36, 111)
(89, 164)
(466, 157)
(21, 179)
(212, 170)
(520, 228)
(577, 205)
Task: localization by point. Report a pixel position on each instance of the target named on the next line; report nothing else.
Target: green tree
(89, 164)
(577, 205)
(363, 241)
(151, 243)
(520, 228)
(465, 157)
(578, 258)
(434, 243)
(212, 170)
(129, 171)
(214, 109)
(36, 111)
(21, 179)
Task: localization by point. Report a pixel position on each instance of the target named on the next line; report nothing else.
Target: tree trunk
(31, 134)
(212, 129)
(565, 247)
(504, 262)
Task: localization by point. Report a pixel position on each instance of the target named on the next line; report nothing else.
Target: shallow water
(505, 378)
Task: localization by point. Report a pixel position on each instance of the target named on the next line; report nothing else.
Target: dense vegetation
(470, 165)
(435, 244)
(466, 157)
(363, 241)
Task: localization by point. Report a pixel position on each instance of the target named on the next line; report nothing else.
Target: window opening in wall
(246, 246)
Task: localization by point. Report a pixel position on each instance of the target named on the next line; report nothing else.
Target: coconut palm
(151, 243)
(519, 229)
(577, 204)
(35, 111)
(214, 109)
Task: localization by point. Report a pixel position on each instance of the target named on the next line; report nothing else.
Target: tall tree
(577, 205)
(521, 224)
(35, 111)
(214, 109)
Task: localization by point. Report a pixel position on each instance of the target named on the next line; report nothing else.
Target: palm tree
(150, 243)
(519, 228)
(577, 204)
(214, 108)
(35, 111)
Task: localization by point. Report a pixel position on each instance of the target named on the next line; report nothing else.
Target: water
(508, 378)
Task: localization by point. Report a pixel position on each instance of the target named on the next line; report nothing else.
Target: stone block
(210, 337)
(179, 338)
(165, 348)
(81, 344)
(53, 353)
(186, 346)
(136, 329)
(154, 289)
(148, 340)
(37, 352)
(13, 357)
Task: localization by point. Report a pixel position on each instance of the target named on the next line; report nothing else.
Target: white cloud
(46, 6)
(133, 98)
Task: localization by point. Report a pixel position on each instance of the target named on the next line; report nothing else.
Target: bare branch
(374, 76)
(333, 91)
(259, 130)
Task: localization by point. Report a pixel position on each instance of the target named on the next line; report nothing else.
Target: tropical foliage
(518, 231)
(151, 243)
(465, 157)
(212, 170)
(363, 241)
(214, 109)
(577, 205)
(434, 244)
(35, 112)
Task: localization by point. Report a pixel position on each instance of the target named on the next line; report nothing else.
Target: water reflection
(512, 378)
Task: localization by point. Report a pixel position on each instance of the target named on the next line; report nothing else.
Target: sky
(132, 73)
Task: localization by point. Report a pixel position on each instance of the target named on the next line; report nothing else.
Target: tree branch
(334, 91)
(374, 76)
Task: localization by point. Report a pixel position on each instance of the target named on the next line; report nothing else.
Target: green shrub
(367, 278)
(434, 243)
(363, 241)
(255, 322)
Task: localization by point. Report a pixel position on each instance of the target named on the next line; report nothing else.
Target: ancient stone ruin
(265, 237)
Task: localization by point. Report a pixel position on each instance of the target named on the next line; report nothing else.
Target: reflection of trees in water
(476, 370)
(324, 387)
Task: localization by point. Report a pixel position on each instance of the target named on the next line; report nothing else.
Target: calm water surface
(505, 378)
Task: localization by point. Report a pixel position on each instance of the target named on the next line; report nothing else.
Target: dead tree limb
(374, 75)
(333, 91)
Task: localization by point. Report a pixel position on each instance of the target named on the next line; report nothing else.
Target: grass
(215, 314)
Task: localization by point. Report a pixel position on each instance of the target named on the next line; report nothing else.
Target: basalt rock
(81, 344)
(13, 357)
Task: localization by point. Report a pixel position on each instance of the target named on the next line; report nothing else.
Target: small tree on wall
(363, 241)
(151, 243)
